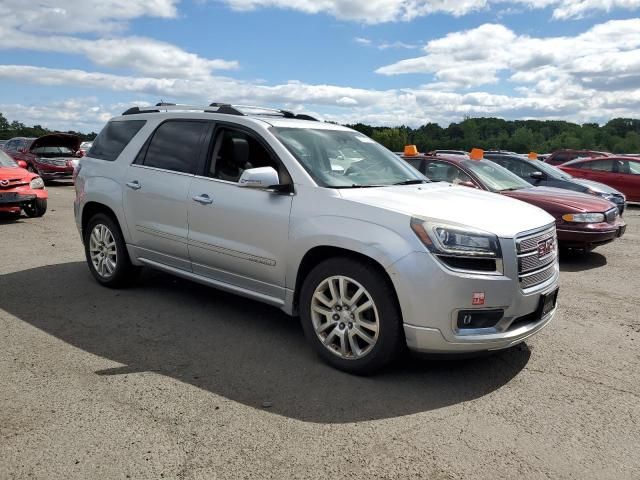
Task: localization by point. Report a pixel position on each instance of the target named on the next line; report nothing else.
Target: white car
(372, 256)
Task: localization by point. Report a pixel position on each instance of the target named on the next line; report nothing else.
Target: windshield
(495, 177)
(551, 170)
(6, 160)
(344, 159)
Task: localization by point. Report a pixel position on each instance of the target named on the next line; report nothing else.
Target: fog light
(469, 319)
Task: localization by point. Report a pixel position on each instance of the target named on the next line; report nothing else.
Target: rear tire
(37, 209)
(350, 315)
(106, 253)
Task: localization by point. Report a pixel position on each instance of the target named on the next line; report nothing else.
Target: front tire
(106, 253)
(350, 315)
(36, 209)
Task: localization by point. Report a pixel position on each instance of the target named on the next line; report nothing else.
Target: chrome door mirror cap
(261, 177)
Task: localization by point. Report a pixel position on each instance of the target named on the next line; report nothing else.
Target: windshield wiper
(357, 185)
(415, 181)
(511, 189)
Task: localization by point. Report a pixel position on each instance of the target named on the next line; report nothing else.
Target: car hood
(596, 186)
(556, 200)
(57, 140)
(11, 173)
(478, 209)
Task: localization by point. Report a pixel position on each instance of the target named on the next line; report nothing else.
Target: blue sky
(71, 64)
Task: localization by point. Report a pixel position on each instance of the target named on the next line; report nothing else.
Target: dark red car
(20, 190)
(621, 173)
(562, 156)
(50, 156)
(582, 221)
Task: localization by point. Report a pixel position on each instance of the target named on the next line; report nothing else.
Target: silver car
(371, 255)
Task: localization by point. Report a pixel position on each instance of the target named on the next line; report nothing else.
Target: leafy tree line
(18, 129)
(620, 135)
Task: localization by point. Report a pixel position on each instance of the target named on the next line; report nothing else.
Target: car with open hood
(321, 221)
(541, 174)
(582, 221)
(51, 156)
(20, 190)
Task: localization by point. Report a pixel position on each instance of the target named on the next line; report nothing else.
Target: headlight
(37, 183)
(583, 217)
(454, 240)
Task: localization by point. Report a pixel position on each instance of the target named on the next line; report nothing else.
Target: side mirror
(22, 164)
(538, 175)
(262, 177)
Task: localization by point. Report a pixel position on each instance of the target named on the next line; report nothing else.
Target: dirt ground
(170, 379)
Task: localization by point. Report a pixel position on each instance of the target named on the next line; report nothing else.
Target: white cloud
(477, 57)
(71, 16)
(362, 41)
(380, 11)
(143, 55)
(367, 11)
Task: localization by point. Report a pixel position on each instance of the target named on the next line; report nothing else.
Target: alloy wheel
(345, 317)
(103, 252)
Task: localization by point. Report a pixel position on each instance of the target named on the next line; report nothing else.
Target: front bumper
(590, 236)
(50, 172)
(15, 199)
(431, 297)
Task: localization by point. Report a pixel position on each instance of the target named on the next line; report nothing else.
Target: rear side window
(113, 138)
(175, 146)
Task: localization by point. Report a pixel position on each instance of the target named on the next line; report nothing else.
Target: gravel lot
(173, 380)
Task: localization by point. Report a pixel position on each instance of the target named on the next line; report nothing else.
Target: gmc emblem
(545, 247)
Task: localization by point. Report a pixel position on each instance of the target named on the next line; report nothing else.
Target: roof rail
(216, 107)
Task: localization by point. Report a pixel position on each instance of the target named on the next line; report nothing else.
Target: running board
(227, 287)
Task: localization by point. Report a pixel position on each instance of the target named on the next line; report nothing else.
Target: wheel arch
(319, 253)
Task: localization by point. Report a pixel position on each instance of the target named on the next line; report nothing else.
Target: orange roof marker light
(476, 154)
(410, 150)
(533, 156)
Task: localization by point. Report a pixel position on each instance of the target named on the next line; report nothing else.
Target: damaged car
(51, 156)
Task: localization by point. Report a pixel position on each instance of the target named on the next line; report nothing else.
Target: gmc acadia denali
(320, 221)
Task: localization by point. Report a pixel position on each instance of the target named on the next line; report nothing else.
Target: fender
(108, 192)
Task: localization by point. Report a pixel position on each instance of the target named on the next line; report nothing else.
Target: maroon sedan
(582, 221)
(50, 156)
(621, 173)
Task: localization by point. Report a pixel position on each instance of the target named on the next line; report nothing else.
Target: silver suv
(320, 221)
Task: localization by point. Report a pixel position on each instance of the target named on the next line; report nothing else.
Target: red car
(50, 156)
(621, 173)
(562, 156)
(582, 221)
(20, 190)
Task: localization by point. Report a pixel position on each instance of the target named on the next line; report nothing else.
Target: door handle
(203, 199)
(134, 185)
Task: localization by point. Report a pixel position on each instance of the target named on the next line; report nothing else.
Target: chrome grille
(536, 278)
(534, 270)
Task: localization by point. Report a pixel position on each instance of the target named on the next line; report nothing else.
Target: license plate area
(548, 302)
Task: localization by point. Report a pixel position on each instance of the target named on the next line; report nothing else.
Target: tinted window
(630, 167)
(601, 165)
(236, 151)
(175, 145)
(444, 172)
(113, 138)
